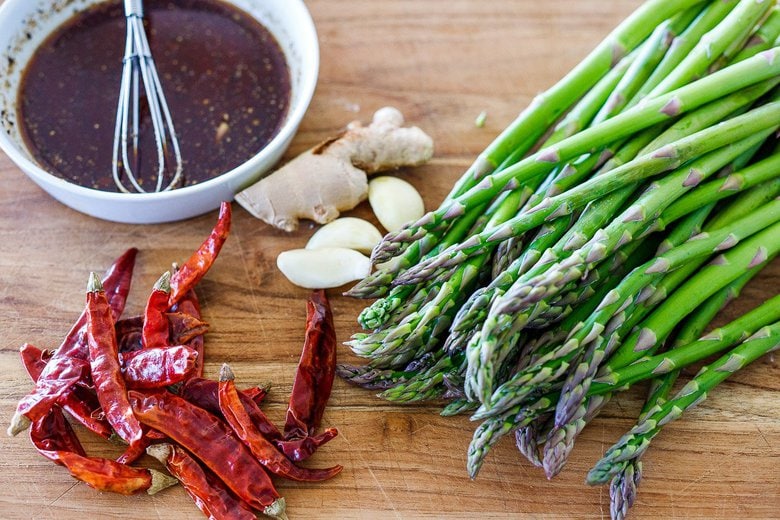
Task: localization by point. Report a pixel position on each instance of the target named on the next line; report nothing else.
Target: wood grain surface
(441, 62)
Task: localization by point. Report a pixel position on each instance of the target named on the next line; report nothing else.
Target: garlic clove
(348, 232)
(395, 202)
(323, 268)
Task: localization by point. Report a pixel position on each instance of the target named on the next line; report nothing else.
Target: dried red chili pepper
(52, 434)
(53, 437)
(104, 362)
(108, 475)
(155, 326)
(157, 367)
(301, 449)
(207, 491)
(316, 370)
(238, 419)
(195, 268)
(212, 442)
(204, 393)
(184, 327)
(69, 364)
(190, 307)
(80, 403)
(135, 451)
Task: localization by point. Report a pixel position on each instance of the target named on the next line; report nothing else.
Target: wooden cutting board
(441, 62)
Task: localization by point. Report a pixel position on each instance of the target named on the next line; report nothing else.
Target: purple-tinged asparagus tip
(769, 55)
(694, 177)
(549, 155)
(732, 183)
(484, 184)
(544, 204)
(664, 367)
(605, 156)
(762, 333)
(759, 258)
(455, 210)
(567, 171)
(502, 233)
(481, 167)
(614, 101)
(560, 211)
(625, 238)
(618, 52)
(719, 260)
(512, 185)
(612, 297)
(635, 213)
(661, 265)
(646, 340)
(665, 152)
(672, 108)
(733, 363)
(729, 242)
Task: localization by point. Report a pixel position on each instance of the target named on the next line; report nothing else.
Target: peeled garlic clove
(323, 268)
(394, 201)
(348, 232)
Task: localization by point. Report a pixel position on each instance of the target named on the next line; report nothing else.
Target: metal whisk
(138, 67)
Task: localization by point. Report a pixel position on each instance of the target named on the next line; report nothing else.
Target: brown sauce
(223, 74)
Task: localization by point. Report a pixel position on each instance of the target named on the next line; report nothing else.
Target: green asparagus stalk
(664, 159)
(638, 439)
(712, 14)
(763, 38)
(528, 382)
(653, 111)
(548, 106)
(736, 26)
(712, 343)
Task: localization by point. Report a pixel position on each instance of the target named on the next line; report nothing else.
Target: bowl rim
(296, 112)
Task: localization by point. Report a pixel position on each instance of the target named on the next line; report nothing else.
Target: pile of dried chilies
(592, 243)
(141, 379)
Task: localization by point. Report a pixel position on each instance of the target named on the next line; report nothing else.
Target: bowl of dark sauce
(238, 76)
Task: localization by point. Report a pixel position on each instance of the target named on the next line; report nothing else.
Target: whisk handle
(134, 8)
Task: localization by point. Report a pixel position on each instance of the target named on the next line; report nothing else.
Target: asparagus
(737, 25)
(649, 55)
(708, 18)
(712, 343)
(548, 106)
(637, 440)
(653, 111)
(763, 38)
(526, 383)
(626, 226)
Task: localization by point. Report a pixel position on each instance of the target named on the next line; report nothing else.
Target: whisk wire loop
(138, 68)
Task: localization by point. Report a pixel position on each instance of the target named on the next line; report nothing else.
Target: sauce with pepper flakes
(224, 75)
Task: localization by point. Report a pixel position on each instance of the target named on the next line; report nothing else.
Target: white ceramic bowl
(24, 24)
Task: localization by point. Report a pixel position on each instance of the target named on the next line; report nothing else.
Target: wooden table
(441, 62)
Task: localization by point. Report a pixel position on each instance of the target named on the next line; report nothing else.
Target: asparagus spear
(525, 383)
(637, 440)
(653, 111)
(548, 106)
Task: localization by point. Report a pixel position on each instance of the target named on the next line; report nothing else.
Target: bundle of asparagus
(592, 243)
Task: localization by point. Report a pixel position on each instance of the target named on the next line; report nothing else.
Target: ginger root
(332, 176)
